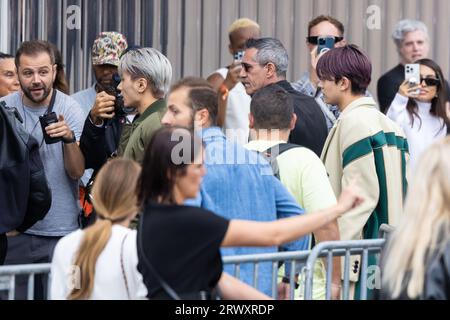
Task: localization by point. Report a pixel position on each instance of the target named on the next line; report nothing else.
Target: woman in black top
(181, 244)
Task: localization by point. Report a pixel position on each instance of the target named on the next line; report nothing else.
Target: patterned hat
(108, 48)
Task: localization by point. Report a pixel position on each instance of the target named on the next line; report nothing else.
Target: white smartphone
(412, 75)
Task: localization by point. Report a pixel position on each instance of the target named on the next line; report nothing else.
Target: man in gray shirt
(63, 160)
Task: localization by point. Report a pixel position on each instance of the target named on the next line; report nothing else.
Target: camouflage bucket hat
(108, 47)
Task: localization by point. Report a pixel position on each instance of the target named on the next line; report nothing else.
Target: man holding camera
(55, 120)
(103, 125)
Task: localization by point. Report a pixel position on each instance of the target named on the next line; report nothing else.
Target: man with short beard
(63, 160)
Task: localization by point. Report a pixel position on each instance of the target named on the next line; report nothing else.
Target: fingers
(58, 129)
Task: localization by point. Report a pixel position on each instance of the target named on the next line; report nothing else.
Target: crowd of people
(153, 179)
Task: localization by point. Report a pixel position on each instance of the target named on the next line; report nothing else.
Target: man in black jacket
(266, 62)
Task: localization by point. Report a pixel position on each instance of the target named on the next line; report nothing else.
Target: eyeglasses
(315, 40)
(430, 82)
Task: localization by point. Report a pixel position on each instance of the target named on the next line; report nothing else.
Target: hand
(447, 107)
(407, 91)
(59, 129)
(13, 233)
(283, 291)
(314, 60)
(233, 77)
(103, 107)
(336, 291)
(350, 197)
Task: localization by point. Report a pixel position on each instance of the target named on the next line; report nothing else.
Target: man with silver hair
(412, 41)
(266, 62)
(146, 76)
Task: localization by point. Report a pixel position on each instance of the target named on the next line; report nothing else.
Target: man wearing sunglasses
(266, 62)
(319, 27)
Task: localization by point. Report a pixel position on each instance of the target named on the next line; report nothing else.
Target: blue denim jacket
(239, 184)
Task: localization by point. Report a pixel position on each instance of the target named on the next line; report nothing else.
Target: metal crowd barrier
(385, 230)
(8, 276)
(341, 248)
(293, 258)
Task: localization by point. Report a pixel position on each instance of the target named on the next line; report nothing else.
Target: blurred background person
(106, 252)
(416, 262)
(9, 82)
(234, 102)
(421, 110)
(61, 83)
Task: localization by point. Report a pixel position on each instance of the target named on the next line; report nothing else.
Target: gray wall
(193, 33)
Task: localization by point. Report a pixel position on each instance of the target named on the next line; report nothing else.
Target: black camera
(114, 91)
(46, 120)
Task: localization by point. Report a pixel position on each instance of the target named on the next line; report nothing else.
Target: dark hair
(159, 170)
(61, 83)
(348, 61)
(272, 108)
(5, 56)
(438, 104)
(201, 95)
(329, 19)
(34, 47)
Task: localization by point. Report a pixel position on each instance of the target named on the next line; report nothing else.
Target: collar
(156, 106)
(262, 145)
(285, 85)
(364, 101)
(210, 133)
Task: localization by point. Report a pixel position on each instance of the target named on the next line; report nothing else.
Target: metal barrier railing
(293, 258)
(341, 248)
(385, 230)
(8, 277)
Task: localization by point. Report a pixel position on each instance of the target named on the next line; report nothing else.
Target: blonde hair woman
(417, 262)
(100, 262)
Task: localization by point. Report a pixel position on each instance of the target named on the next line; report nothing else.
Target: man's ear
(230, 49)
(141, 85)
(251, 121)
(345, 84)
(271, 70)
(202, 117)
(293, 122)
(55, 70)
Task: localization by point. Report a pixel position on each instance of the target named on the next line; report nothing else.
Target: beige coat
(364, 143)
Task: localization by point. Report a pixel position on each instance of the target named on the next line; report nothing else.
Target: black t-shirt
(183, 245)
(311, 127)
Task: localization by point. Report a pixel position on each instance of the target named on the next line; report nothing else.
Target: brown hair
(329, 19)
(201, 95)
(34, 47)
(61, 83)
(114, 200)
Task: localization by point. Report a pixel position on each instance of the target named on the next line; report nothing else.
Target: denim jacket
(239, 184)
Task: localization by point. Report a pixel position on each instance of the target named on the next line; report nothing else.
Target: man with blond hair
(234, 102)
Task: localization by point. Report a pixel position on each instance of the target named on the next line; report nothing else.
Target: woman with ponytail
(100, 262)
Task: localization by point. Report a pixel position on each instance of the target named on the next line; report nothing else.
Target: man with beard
(63, 160)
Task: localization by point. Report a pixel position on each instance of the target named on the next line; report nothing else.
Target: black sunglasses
(315, 40)
(430, 82)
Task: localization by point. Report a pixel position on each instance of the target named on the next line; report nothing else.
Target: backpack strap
(272, 153)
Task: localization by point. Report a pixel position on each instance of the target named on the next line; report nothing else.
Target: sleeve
(363, 167)
(315, 185)
(397, 110)
(91, 142)
(58, 285)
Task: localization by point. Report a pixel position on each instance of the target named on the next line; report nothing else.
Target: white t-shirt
(238, 109)
(109, 282)
(423, 132)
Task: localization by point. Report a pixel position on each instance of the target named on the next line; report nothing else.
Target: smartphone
(412, 75)
(324, 44)
(239, 55)
(46, 120)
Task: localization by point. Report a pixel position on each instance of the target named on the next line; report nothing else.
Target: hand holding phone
(324, 44)
(412, 76)
(46, 120)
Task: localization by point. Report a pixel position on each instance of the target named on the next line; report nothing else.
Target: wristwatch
(72, 140)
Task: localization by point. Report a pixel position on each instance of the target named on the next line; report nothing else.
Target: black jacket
(98, 144)
(311, 128)
(25, 196)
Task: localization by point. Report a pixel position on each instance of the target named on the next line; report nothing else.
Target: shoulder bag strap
(161, 281)
(123, 268)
